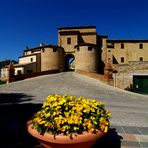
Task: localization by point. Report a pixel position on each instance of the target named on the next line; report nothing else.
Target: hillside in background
(6, 62)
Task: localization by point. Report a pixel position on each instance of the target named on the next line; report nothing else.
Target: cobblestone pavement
(20, 100)
(132, 137)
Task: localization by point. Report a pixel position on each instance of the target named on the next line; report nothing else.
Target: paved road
(127, 109)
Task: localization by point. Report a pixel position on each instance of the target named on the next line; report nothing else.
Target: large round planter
(85, 140)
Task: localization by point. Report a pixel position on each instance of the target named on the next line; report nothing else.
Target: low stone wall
(124, 76)
(96, 76)
(131, 67)
(123, 80)
(30, 75)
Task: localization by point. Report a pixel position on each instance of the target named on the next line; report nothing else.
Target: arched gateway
(69, 62)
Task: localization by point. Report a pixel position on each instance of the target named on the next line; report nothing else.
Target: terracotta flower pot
(85, 140)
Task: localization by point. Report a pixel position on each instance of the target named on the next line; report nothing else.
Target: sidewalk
(128, 137)
(134, 137)
(13, 132)
(123, 137)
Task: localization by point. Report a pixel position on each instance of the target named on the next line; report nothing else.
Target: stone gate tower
(80, 45)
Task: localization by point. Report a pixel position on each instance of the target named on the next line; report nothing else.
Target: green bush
(2, 82)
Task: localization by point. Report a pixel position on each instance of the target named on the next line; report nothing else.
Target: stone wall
(68, 47)
(123, 80)
(96, 76)
(86, 59)
(31, 75)
(52, 58)
(77, 35)
(124, 76)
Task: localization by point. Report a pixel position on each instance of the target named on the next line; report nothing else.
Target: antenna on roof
(42, 44)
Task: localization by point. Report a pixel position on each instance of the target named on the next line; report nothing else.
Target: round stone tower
(86, 57)
(52, 58)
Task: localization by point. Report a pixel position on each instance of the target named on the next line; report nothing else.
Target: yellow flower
(68, 114)
(47, 115)
(91, 130)
(108, 113)
(92, 109)
(75, 128)
(103, 121)
(86, 121)
(104, 128)
(54, 113)
(64, 128)
(86, 110)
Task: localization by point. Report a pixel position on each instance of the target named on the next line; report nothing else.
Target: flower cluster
(68, 114)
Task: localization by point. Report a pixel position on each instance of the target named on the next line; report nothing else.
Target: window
(122, 59)
(114, 60)
(89, 48)
(68, 40)
(140, 46)
(54, 49)
(141, 59)
(19, 72)
(122, 45)
(31, 59)
(78, 49)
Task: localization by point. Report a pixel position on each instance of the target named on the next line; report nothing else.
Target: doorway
(69, 62)
(140, 84)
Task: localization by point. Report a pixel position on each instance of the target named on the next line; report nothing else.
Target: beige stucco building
(82, 48)
(124, 51)
(42, 58)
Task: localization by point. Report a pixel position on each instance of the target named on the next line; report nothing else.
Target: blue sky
(30, 22)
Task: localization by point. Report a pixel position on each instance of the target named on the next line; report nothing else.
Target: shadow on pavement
(13, 98)
(110, 140)
(14, 113)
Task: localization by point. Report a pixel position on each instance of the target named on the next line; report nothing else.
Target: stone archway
(69, 62)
